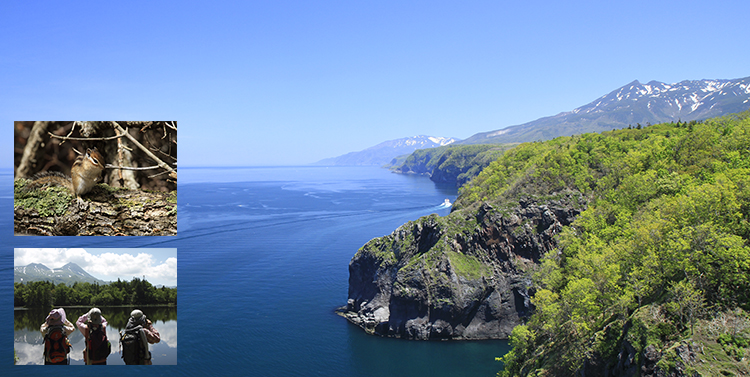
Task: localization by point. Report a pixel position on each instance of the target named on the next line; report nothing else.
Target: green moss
(129, 203)
(666, 363)
(380, 249)
(413, 264)
(468, 266)
(406, 292)
(109, 188)
(49, 201)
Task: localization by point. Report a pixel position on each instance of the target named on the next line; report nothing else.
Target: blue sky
(292, 82)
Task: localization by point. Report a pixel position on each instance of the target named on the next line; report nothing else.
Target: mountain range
(632, 104)
(385, 152)
(68, 274)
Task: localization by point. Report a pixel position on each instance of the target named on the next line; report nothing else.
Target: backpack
(132, 347)
(97, 344)
(56, 345)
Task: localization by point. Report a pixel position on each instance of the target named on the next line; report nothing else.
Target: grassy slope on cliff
(660, 255)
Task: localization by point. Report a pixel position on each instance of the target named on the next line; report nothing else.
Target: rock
(455, 277)
(650, 357)
(626, 360)
(683, 356)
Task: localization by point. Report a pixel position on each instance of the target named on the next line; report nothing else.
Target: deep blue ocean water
(263, 259)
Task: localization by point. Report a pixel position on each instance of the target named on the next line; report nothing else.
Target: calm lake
(28, 341)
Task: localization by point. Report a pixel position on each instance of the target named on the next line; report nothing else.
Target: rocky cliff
(456, 277)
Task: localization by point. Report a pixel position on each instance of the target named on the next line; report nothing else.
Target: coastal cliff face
(454, 165)
(455, 277)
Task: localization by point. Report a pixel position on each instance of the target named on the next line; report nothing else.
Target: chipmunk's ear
(93, 151)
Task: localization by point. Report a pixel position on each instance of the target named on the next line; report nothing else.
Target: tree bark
(105, 211)
(33, 152)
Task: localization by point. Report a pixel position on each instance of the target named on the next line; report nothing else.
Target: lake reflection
(29, 342)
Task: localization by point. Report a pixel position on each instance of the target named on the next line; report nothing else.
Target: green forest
(135, 292)
(658, 263)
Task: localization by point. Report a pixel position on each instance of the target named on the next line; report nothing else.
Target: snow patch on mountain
(634, 103)
(68, 274)
(692, 95)
(386, 151)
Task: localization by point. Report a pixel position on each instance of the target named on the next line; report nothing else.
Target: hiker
(93, 326)
(55, 330)
(134, 340)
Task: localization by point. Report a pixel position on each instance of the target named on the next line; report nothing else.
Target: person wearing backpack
(134, 340)
(93, 326)
(55, 330)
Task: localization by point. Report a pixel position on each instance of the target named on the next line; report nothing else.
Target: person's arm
(152, 335)
(81, 324)
(69, 328)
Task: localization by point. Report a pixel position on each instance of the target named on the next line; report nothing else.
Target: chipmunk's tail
(48, 178)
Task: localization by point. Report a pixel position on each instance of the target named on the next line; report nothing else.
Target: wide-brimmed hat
(56, 317)
(95, 316)
(138, 317)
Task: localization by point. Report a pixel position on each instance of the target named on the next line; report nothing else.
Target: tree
(136, 292)
(687, 302)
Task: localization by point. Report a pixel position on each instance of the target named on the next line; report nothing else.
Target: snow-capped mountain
(33, 269)
(68, 274)
(385, 152)
(632, 104)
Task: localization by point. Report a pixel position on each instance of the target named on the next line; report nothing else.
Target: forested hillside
(451, 164)
(653, 278)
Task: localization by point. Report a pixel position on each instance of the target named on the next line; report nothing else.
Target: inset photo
(95, 178)
(95, 306)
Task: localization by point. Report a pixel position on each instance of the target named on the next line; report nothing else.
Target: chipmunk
(85, 174)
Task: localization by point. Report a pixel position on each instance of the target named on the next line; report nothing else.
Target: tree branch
(161, 163)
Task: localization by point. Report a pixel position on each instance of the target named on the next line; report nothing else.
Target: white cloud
(165, 271)
(119, 264)
(52, 258)
(124, 264)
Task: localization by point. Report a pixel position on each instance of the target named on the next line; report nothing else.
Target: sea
(263, 255)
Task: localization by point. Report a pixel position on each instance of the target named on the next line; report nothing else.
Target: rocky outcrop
(627, 358)
(677, 362)
(455, 277)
